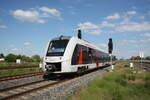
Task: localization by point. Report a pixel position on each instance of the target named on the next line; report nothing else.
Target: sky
(26, 26)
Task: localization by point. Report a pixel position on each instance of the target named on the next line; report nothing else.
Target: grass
(6, 64)
(19, 71)
(121, 84)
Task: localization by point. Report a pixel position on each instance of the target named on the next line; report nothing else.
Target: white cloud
(137, 41)
(96, 29)
(27, 43)
(131, 12)
(146, 34)
(133, 52)
(144, 41)
(127, 21)
(128, 25)
(124, 24)
(90, 28)
(27, 15)
(107, 24)
(88, 25)
(51, 11)
(142, 17)
(96, 32)
(114, 16)
(102, 45)
(145, 26)
(14, 49)
(3, 27)
(130, 41)
(36, 15)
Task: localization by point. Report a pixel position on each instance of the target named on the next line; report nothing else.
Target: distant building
(18, 61)
(2, 59)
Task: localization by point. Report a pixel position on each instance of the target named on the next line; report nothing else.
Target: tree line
(138, 58)
(12, 58)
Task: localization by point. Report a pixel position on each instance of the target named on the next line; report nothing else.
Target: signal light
(110, 46)
(79, 34)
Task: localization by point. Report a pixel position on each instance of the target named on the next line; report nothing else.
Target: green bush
(10, 58)
(13, 57)
(1, 55)
(36, 58)
(126, 65)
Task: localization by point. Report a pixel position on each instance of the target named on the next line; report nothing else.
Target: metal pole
(111, 62)
(141, 55)
(110, 59)
(141, 62)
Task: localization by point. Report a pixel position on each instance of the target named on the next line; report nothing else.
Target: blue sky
(27, 25)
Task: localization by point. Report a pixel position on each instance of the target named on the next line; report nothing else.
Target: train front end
(54, 56)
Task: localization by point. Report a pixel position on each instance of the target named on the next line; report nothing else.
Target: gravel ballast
(21, 81)
(63, 90)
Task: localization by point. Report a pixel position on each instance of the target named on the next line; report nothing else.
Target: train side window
(102, 59)
(88, 55)
(93, 55)
(90, 51)
(75, 56)
(84, 54)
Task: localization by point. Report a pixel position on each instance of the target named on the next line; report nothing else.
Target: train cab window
(57, 47)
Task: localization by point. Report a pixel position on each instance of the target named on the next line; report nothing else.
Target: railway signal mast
(141, 54)
(110, 49)
(79, 34)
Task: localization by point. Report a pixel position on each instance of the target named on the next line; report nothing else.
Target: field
(124, 83)
(18, 71)
(6, 64)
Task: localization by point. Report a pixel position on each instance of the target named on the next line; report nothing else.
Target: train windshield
(57, 47)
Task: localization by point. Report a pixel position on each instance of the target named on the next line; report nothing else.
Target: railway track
(18, 67)
(144, 65)
(20, 90)
(26, 90)
(7, 78)
(14, 92)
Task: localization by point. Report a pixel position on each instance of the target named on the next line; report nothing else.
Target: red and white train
(72, 54)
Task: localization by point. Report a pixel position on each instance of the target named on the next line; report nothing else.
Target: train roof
(80, 41)
(62, 38)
